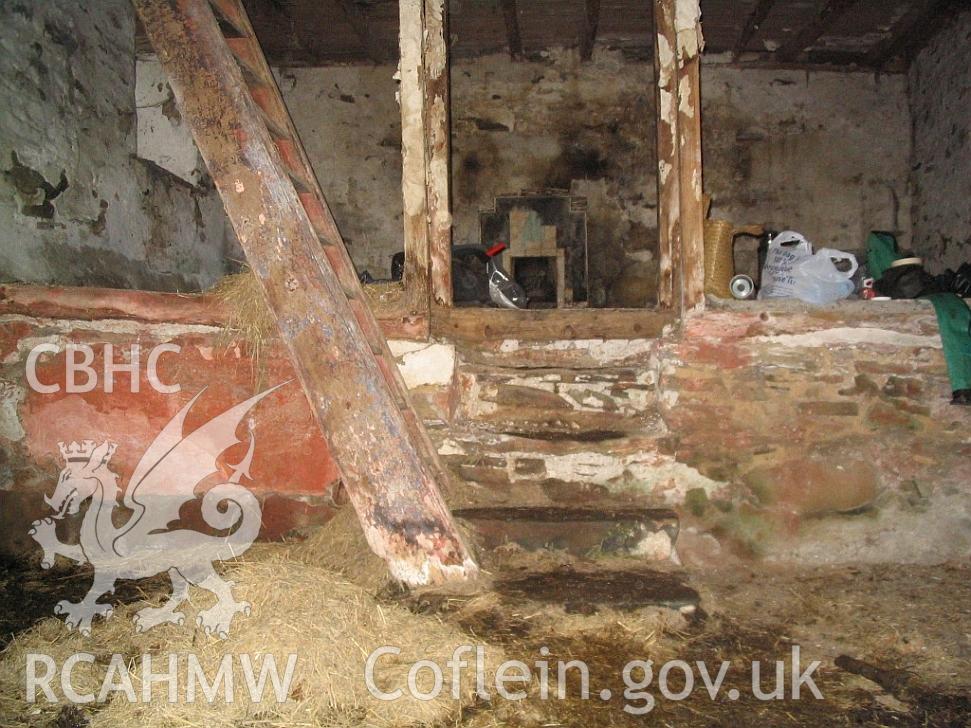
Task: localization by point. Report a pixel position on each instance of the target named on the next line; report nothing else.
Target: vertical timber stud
(668, 188)
(438, 146)
(414, 156)
(228, 98)
(690, 42)
(425, 149)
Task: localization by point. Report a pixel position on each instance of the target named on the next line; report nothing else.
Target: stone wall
(940, 96)
(824, 153)
(776, 432)
(76, 205)
(785, 148)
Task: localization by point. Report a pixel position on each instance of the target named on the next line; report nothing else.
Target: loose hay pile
(341, 547)
(330, 624)
(251, 320)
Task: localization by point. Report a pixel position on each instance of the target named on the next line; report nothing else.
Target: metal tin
(742, 287)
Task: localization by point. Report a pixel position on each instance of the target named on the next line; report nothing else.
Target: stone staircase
(557, 448)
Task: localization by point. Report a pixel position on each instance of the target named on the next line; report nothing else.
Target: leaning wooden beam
(414, 152)
(831, 11)
(588, 33)
(438, 148)
(759, 13)
(228, 98)
(358, 21)
(510, 14)
(668, 188)
(690, 42)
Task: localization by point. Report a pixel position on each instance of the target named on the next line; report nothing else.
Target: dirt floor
(894, 642)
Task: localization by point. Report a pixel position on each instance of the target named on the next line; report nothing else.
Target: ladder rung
(345, 274)
(265, 98)
(323, 223)
(368, 327)
(242, 50)
(292, 159)
(298, 180)
(227, 27)
(386, 370)
(276, 131)
(228, 16)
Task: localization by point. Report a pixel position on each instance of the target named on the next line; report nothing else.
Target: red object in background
(496, 249)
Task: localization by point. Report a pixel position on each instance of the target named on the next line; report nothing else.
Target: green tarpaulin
(953, 314)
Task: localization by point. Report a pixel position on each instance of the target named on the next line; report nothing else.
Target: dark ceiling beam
(588, 33)
(358, 20)
(510, 13)
(755, 20)
(831, 11)
(936, 19)
(894, 43)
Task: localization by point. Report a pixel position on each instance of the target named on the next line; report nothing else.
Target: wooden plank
(668, 189)
(388, 467)
(483, 324)
(89, 304)
(438, 148)
(759, 13)
(831, 11)
(510, 14)
(588, 33)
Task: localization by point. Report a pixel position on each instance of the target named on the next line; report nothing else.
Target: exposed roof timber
(889, 48)
(925, 28)
(510, 13)
(357, 19)
(755, 20)
(831, 11)
(588, 33)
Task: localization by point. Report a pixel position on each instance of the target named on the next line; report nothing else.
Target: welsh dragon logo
(164, 480)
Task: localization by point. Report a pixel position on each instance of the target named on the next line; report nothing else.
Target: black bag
(907, 281)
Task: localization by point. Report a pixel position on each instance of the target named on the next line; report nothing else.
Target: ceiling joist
(913, 31)
(755, 20)
(831, 11)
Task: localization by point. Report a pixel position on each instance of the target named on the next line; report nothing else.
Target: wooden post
(668, 188)
(687, 21)
(438, 149)
(425, 147)
(414, 159)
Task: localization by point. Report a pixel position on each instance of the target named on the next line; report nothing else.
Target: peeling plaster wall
(940, 97)
(774, 431)
(827, 153)
(77, 207)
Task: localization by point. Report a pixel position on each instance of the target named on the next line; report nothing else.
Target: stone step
(586, 591)
(560, 402)
(614, 471)
(648, 533)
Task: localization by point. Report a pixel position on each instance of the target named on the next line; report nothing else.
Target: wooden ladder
(227, 95)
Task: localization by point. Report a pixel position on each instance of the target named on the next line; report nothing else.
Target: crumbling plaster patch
(424, 364)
